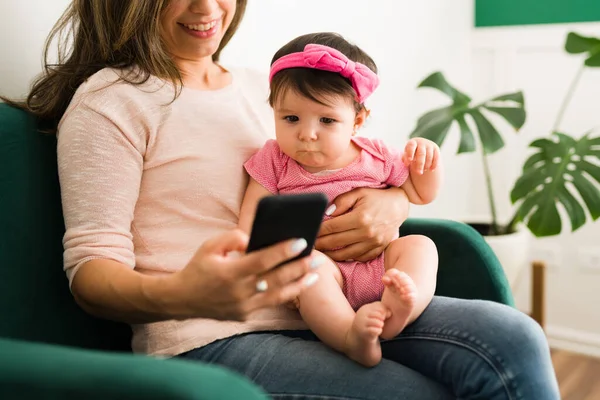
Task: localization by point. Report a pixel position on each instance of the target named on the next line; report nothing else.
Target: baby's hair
(315, 84)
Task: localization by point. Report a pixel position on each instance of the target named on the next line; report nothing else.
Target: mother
(152, 135)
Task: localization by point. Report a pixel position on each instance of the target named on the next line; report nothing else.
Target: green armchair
(50, 348)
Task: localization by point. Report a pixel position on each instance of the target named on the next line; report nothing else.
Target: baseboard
(568, 339)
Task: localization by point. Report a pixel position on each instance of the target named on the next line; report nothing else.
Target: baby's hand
(421, 155)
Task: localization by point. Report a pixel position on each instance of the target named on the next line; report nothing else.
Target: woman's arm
(212, 285)
(108, 289)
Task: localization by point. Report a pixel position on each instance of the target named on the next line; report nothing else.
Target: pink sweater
(145, 182)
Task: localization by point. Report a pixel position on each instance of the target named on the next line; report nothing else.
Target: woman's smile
(201, 31)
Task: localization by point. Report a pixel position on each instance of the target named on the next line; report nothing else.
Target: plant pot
(512, 250)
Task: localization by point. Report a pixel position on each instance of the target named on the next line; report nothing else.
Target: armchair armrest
(46, 371)
(468, 267)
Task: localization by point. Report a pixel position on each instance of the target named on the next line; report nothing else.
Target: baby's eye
(291, 118)
(326, 120)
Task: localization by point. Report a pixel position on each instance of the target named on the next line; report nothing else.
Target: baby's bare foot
(400, 297)
(362, 340)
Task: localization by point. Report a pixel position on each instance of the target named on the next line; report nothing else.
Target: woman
(152, 135)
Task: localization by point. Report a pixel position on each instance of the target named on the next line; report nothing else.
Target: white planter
(512, 251)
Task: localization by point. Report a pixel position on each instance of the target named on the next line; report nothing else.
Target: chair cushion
(35, 301)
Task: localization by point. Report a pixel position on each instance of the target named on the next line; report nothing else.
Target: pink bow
(364, 81)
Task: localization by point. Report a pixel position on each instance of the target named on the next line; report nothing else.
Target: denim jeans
(457, 349)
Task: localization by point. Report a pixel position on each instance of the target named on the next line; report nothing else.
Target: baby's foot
(362, 340)
(400, 297)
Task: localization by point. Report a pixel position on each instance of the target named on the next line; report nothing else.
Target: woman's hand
(221, 282)
(365, 231)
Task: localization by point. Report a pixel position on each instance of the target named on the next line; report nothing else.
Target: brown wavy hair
(104, 33)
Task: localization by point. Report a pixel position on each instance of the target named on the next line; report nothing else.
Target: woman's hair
(96, 34)
(315, 84)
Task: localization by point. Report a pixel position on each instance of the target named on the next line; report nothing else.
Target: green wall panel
(530, 12)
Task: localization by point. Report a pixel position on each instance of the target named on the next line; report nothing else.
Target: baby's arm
(423, 188)
(254, 192)
(426, 171)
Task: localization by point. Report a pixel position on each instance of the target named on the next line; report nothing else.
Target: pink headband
(364, 81)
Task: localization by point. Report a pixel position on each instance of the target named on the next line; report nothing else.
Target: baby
(318, 86)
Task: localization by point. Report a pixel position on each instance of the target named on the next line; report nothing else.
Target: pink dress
(377, 167)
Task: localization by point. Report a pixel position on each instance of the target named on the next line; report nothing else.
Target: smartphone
(288, 216)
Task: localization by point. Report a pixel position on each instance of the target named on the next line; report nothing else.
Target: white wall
(24, 27)
(532, 59)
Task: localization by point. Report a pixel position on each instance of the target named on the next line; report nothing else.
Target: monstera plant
(560, 167)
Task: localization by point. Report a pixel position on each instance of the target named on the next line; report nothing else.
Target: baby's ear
(361, 117)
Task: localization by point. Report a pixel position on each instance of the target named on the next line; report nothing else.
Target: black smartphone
(287, 216)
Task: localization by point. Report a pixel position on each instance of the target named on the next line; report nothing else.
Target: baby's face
(315, 135)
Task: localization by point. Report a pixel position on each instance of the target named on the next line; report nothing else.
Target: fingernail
(316, 262)
(234, 254)
(311, 279)
(299, 245)
(330, 210)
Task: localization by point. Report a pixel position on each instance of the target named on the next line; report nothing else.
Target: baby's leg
(328, 314)
(411, 263)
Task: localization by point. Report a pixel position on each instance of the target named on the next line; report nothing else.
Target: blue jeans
(457, 349)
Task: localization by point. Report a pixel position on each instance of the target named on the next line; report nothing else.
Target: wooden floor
(578, 376)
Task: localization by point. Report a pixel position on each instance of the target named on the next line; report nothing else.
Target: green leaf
(594, 141)
(577, 44)
(530, 202)
(590, 168)
(589, 193)
(434, 125)
(545, 183)
(534, 159)
(514, 116)
(517, 97)
(467, 140)
(527, 182)
(545, 221)
(489, 136)
(439, 82)
(571, 204)
(593, 60)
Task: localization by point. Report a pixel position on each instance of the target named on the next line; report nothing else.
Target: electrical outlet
(550, 254)
(589, 259)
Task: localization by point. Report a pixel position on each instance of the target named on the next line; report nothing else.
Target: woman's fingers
(291, 272)
(343, 203)
(371, 254)
(353, 252)
(260, 261)
(339, 224)
(282, 294)
(230, 241)
(275, 287)
(336, 240)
